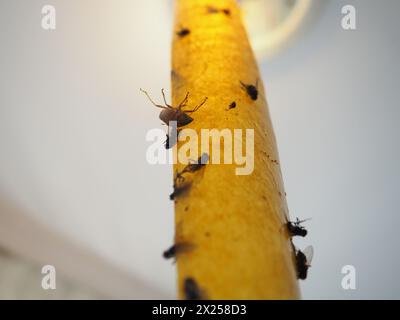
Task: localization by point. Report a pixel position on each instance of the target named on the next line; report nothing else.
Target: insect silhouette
(171, 140)
(295, 228)
(232, 105)
(192, 290)
(183, 32)
(170, 113)
(191, 167)
(167, 143)
(179, 178)
(303, 262)
(177, 249)
(250, 89)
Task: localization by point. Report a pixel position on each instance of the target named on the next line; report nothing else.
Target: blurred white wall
(19, 280)
(73, 125)
(334, 99)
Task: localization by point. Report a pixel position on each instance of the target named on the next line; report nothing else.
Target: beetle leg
(155, 104)
(184, 101)
(165, 100)
(163, 94)
(198, 107)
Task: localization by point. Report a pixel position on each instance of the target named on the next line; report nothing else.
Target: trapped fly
(296, 229)
(250, 89)
(303, 261)
(192, 290)
(177, 249)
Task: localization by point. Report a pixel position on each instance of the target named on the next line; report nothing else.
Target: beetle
(170, 113)
(177, 249)
(303, 262)
(295, 228)
(250, 89)
(192, 290)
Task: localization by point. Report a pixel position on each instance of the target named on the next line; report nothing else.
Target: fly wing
(301, 221)
(309, 253)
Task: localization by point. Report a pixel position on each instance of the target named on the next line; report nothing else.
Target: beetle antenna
(151, 100)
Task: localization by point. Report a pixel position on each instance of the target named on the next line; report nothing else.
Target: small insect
(192, 290)
(251, 90)
(232, 105)
(190, 168)
(177, 249)
(183, 32)
(295, 228)
(170, 113)
(303, 262)
(169, 143)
